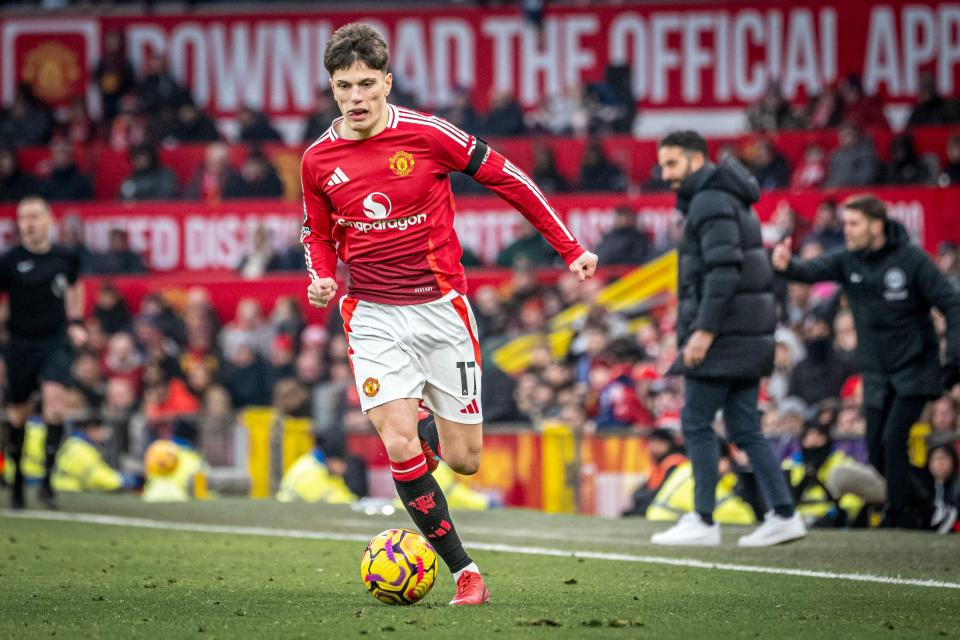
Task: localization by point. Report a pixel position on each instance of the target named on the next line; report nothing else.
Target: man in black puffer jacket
(725, 329)
(890, 284)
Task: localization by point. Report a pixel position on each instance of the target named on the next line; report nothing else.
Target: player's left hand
(77, 334)
(585, 266)
(696, 348)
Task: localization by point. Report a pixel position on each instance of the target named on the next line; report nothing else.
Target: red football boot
(471, 589)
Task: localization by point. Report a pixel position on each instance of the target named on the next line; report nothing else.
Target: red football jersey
(384, 206)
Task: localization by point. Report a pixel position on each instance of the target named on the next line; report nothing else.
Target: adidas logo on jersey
(338, 177)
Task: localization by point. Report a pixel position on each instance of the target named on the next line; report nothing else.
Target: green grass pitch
(246, 569)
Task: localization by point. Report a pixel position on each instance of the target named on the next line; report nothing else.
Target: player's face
(859, 231)
(677, 164)
(361, 93)
(33, 223)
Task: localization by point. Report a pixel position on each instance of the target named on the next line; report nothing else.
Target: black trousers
(888, 432)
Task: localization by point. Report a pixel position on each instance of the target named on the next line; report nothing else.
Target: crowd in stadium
(173, 355)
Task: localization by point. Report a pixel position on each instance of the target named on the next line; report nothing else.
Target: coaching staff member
(890, 284)
(46, 307)
(725, 325)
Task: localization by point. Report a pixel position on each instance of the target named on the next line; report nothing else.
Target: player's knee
(399, 446)
(467, 463)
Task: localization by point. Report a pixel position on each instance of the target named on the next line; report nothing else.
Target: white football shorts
(427, 351)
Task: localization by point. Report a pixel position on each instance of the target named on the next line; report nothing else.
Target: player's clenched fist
(584, 266)
(321, 291)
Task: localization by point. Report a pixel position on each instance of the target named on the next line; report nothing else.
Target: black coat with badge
(891, 292)
(725, 279)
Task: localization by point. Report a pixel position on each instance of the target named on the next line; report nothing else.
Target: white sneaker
(775, 530)
(689, 530)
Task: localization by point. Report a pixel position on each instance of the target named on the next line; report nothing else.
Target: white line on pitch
(142, 523)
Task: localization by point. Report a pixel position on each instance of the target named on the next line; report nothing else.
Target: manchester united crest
(371, 387)
(401, 163)
(51, 69)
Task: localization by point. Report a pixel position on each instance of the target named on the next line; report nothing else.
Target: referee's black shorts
(31, 361)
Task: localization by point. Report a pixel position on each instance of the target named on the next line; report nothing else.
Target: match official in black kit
(891, 284)
(46, 309)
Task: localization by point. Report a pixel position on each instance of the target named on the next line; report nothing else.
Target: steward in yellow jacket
(187, 478)
(675, 497)
(309, 480)
(80, 467)
(809, 471)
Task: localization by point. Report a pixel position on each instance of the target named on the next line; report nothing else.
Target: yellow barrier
(294, 441)
(559, 462)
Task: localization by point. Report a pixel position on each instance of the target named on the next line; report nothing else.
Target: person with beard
(891, 285)
(809, 472)
(666, 454)
(726, 319)
(822, 373)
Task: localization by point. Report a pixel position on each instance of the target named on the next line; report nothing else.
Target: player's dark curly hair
(686, 140)
(355, 42)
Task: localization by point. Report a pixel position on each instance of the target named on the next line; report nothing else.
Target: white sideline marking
(142, 523)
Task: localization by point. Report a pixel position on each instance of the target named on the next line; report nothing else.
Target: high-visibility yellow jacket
(309, 480)
(179, 484)
(675, 498)
(80, 467)
(815, 502)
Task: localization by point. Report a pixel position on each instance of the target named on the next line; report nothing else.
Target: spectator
(666, 454)
(110, 309)
(943, 417)
(211, 176)
(822, 373)
(160, 94)
(529, 248)
(193, 125)
(772, 112)
(244, 376)
(114, 74)
(811, 171)
(545, 172)
(827, 228)
(951, 170)
(561, 114)
(597, 172)
(88, 378)
(930, 106)
(825, 110)
(247, 328)
(769, 166)
(324, 112)
(865, 112)
(120, 258)
(624, 243)
(150, 180)
(65, 182)
(262, 257)
(78, 128)
(461, 112)
(943, 466)
(505, 117)
(254, 127)
(905, 167)
(948, 261)
(133, 126)
(854, 163)
(123, 361)
(15, 183)
(28, 122)
(256, 179)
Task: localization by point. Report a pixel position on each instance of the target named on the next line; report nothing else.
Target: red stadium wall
(682, 55)
(181, 238)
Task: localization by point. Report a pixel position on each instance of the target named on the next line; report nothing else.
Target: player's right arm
(316, 236)
(826, 268)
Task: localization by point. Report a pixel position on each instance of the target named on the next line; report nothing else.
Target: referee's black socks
(50, 448)
(14, 454)
(427, 506)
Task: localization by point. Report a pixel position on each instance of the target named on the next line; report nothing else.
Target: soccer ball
(161, 458)
(398, 566)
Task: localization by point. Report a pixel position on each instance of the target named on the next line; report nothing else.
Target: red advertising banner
(190, 237)
(679, 54)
